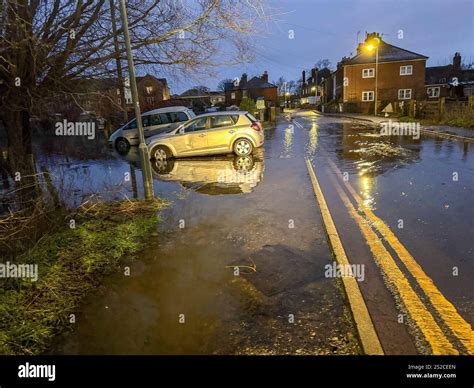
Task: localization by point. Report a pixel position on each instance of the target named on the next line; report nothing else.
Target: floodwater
(237, 264)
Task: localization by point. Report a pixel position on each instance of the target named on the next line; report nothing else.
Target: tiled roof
(438, 74)
(255, 83)
(387, 53)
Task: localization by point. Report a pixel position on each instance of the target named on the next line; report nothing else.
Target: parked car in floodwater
(209, 134)
(154, 122)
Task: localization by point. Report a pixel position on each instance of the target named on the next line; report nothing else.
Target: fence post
(441, 107)
(411, 108)
(470, 103)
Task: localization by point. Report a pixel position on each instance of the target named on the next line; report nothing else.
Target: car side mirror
(181, 129)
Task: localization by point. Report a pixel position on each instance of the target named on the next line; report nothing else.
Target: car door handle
(231, 131)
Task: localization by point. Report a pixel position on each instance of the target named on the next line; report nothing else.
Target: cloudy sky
(331, 29)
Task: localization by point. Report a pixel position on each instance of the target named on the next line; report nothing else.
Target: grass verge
(70, 263)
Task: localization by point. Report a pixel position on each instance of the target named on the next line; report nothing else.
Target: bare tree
(48, 48)
(322, 63)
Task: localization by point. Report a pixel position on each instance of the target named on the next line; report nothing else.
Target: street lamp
(287, 94)
(314, 89)
(144, 158)
(371, 46)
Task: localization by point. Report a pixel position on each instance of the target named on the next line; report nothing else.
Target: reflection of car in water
(213, 176)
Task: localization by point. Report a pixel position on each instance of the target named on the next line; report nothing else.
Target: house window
(406, 70)
(149, 89)
(368, 73)
(368, 96)
(119, 101)
(150, 100)
(232, 96)
(433, 92)
(404, 94)
(118, 92)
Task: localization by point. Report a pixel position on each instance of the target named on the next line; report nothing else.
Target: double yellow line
(368, 223)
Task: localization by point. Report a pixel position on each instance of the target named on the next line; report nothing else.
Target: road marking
(365, 328)
(448, 313)
(419, 313)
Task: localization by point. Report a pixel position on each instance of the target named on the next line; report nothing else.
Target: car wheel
(243, 163)
(160, 154)
(163, 166)
(122, 145)
(243, 147)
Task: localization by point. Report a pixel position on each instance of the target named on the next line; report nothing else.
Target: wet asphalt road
(260, 215)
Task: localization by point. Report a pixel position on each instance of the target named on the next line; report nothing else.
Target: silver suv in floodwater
(209, 134)
(154, 122)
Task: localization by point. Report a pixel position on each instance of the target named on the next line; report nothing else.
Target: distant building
(101, 97)
(255, 88)
(401, 77)
(199, 99)
(449, 81)
(311, 90)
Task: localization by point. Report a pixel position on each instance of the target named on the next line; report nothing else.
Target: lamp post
(374, 45)
(314, 89)
(144, 158)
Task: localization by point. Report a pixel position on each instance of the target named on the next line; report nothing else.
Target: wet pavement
(237, 265)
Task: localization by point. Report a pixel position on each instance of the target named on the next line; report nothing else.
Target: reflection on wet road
(232, 215)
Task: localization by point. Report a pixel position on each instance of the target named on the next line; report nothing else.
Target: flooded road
(237, 265)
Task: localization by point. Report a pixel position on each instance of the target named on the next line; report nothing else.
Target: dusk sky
(329, 29)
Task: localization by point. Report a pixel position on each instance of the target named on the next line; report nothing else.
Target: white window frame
(368, 95)
(402, 94)
(232, 96)
(404, 70)
(370, 73)
(149, 89)
(433, 91)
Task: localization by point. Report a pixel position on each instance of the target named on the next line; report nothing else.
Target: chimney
(457, 61)
(314, 75)
(265, 76)
(303, 77)
(243, 79)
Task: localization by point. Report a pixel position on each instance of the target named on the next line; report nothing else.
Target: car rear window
(251, 118)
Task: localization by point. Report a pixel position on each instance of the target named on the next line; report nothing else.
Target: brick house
(311, 90)
(199, 99)
(151, 91)
(401, 77)
(449, 81)
(255, 88)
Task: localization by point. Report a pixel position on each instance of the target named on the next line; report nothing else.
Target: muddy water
(236, 266)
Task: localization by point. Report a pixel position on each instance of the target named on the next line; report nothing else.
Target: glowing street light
(370, 46)
(314, 89)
